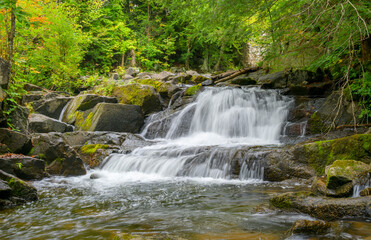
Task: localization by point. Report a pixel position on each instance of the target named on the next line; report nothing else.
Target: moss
(132, 94)
(42, 156)
(323, 153)
(31, 152)
(192, 90)
(315, 124)
(87, 122)
(281, 201)
(60, 160)
(92, 148)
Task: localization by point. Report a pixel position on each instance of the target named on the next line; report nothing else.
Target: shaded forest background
(53, 43)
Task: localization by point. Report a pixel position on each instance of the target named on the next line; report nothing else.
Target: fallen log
(236, 74)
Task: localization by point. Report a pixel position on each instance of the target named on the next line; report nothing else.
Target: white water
(204, 137)
(62, 112)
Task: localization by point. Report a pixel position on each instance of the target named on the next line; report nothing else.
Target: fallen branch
(352, 126)
(240, 72)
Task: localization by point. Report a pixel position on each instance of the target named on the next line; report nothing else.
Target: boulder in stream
(14, 142)
(42, 124)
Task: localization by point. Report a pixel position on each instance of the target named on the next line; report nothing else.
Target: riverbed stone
(303, 226)
(342, 172)
(24, 167)
(324, 208)
(53, 107)
(273, 80)
(14, 142)
(19, 118)
(42, 124)
(20, 190)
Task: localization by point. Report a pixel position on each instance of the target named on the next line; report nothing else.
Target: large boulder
(53, 107)
(19, 118)
(303, 226)
(42, 124)
(24, 167)
(113, 117)
(132, 71)
(14, 142)
(61, 158)
(138, 94)
(82, 105)
(342, 172)
(19, 191)
(324, 208)
(274, 80)
(163, 76)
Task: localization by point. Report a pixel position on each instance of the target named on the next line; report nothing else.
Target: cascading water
(203, 138)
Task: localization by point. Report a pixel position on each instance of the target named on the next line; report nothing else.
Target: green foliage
(361, 89)
(19, 165)
(10, 103)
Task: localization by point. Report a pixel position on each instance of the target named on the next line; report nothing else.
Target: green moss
(192, 90)
(87, 122)
(60, 160)
(92, 148)
(315, 124)
(132, 94)
(42, 156)
(323, 153)
(345, 170)
(31, 151)
(281, 201)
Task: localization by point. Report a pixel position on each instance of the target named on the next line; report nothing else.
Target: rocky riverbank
(59, 134)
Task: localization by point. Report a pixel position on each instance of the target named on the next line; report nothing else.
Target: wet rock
(163, 88)
(115, 76)
(115, 118)
(43, 124)
(273, 80)
(207, 82)
(133, 142)
(243, 80)
(309, 227)
(82, 105)
(137, 94)
(193, 90)
(324, 208)
(94, 154)
(145, 75)
(5, 190)
(26, 168)
(319, 186)
(19, 118)
(342, 172)
(95, 176)
(80, 138)
(53, 107)
(20, 190)
(320, 154)
(14, 142)
(365, 192)
(62, 159)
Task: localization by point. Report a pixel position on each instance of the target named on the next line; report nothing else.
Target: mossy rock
(159, 86)
(323, 153)
(342, 172)
(316, 124)
(137, 94)
(92, 148)
(192, 90)
(18, 187)
(285, 200)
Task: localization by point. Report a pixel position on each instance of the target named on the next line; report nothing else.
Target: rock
(19, 118)
(95, 176)
(82, 104)
(94, 154)
(243, 80)
(62, 159)
(132, 71)
(115, 118)
(32, 97)
(163, 76)
(193, 90)
(26, 168)
(177, 69)
(324, 208)
(14, 142)
(274, 80)
(53, 107)
(319, 186)
(5, 190)
(115, 76)
(309, 227)
(128, 77)
(20, 189)
(197, 79)
(314, 89)
(43, 124)
(320, 154)
(144, 75)
(207, 82)
(342, 172)
(163, 88)
(365, 192)
(137, 94)
(4, 73)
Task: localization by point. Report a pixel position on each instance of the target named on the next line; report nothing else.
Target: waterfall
(202, 139)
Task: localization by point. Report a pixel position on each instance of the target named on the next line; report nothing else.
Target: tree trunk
(366, 49)
(133, 58)
(123, 60)
(205, 65)
(188, 53)
(11, 41)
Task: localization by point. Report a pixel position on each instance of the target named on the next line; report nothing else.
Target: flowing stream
(202, 179)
